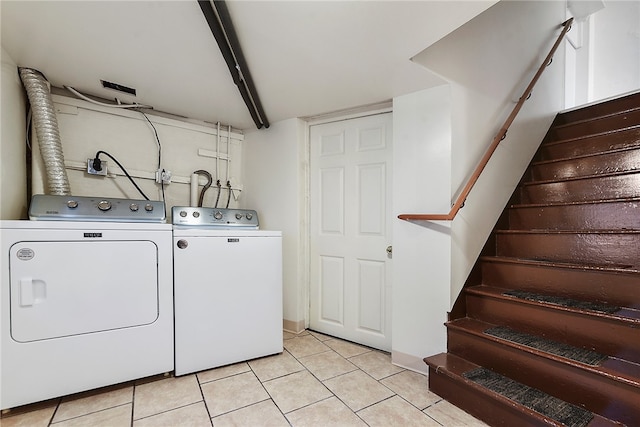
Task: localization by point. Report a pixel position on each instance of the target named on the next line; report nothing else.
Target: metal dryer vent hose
(46, 124)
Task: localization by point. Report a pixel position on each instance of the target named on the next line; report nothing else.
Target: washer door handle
(182, 244)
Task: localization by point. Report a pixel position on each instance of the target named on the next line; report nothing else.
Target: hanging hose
(229, 195)
(219, 190)
(206, 186)
(46, 124)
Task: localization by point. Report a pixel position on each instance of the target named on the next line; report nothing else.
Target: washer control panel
(214, 217)
(79, 208)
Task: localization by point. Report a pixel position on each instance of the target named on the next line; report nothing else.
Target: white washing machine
(227, 288)
(84, 304)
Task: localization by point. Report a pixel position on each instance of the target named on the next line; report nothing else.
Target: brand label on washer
(25, 254)
(233, 240)
(92, 234)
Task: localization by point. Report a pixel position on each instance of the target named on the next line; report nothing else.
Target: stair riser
(593, 145)
(605, 336)
(582, 190)
(612, 288)
(480, 405)
(623, 161)
(592, 127)
(621, 250)
(601, 109)
(594, 392)
(593, 216)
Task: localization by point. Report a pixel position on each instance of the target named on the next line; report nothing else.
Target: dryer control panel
(214, 217)
(79, 208)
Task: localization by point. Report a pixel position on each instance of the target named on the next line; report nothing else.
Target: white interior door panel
(350, 286)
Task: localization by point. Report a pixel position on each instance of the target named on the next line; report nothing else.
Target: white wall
(275, 169)
(616, 49)
(13, 172)
(489, 62)
(603, 60)
(86, 128)
(421, 255)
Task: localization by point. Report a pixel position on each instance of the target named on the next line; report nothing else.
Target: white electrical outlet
(163, 176)
(92, 171)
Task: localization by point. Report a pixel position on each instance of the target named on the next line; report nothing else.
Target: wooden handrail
(499, 137)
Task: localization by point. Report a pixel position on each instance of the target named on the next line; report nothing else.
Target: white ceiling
(306, 57)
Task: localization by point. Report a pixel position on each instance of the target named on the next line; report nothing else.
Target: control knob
(133, 207)
(249, 216)
(104, 205)
(217, 215)
(238, 216)
(72, 204)
(148, 207)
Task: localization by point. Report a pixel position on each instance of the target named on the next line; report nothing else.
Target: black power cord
(157, 139)
(97, 165)
(155, 131)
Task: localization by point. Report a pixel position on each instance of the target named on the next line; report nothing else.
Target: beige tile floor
(317, 381)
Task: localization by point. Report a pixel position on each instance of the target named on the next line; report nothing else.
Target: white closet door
(350, 289)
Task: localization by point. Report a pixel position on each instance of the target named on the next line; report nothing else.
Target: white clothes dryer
(83, 305)
(227, 288)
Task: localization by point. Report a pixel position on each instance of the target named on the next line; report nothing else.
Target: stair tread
(585, 156)
(613, 368)
(574, 203)
(553, 231)
(615, 104)
(598, 117)
(579, 178)
(455, 367)
(629, 129)
(624, 314)
(596, 125)
(616, 286)
(558, 264)
(608, 248)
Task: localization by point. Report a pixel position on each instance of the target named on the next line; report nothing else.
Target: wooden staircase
(568, 244)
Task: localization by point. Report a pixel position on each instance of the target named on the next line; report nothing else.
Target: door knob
(390, 249)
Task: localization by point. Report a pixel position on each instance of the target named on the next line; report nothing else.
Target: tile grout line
(321, 382)
(53, 415)
(337, 376)
(133, 400)
(204, 401)
(379, 382)
(265, 389)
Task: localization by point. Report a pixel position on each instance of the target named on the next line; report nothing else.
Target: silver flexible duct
(46, 124)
